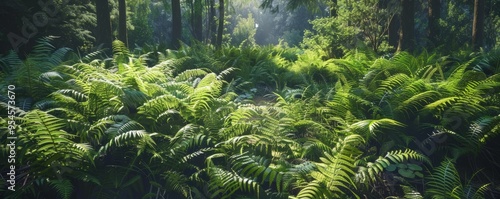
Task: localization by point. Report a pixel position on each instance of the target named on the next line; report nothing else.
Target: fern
(334, 175)
(445, 182)
(126, 139)
(10, 62)
(155, 107)
(393, 82)
(46, 131)
(257, 168)
(368, 127)
(411, 193)
(224, 184)
(121, 54)
(416, 102)
(187, 74)
(372, 169)
(63, 187)
(207, 89)
(176, 182)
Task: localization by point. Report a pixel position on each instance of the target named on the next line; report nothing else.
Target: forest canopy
(249, 99)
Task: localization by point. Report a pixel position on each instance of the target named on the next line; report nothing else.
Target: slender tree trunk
(103, 35)
(478, 24)
(198, 20)
(122, 22)
(333, 9)
(434, 15)
(406, 34)
(176, 24)
(213, 24)
(394, 26)
(220, 31)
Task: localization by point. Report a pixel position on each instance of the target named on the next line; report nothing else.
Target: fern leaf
(445, 182)
(63, 187)
(187, 74)
(337, 170)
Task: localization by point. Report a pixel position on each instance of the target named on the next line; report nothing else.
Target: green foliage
(356, 25)
(63, 187)
(335, 171)
(398, 159)
(445, 182)
(258, 122)
(141, 25)
(244, 31)
(329, 37)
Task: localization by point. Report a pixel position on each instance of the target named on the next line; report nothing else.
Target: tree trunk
(122, 22)
(333, 9)
(478, 24)
(104, 35)
(176, 24)
(220, 31)
(394, 26)
(407, 23)
(213, 24)
(434, 15)
(198, 20)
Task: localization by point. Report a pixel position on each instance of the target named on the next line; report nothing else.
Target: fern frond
(78, 96)
(154, 107)
(120, 52)
(127, 138)
(257, 167)
(57, 56)
(10, 62)
(63, 187)
(373, 126)
(24, 103)
(445, 182)
(416, 102)
(47, 131)
(208, 88)
(187, 74)
(225, 73)
(440, 105)
(176, 182)
(369, 173)
(48, 76)
(411, 193)
(391, 83)
(337, 169)
(223, 184)
(315, 190)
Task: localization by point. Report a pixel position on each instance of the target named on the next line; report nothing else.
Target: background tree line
(329, 25)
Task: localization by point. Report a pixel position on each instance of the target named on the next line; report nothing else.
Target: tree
(220, 31)
(294, 4)
(478, 24)
(372, 17)
(103, 35)
(333, 8)
(393, 31)
(198, 20)
(406, 34)
(434, 13)
(176, 23)
(212, 23)
(244, 31)
(122, 24)
(140, 29)
(365, 21)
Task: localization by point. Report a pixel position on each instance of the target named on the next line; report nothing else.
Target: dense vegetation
(348, 112)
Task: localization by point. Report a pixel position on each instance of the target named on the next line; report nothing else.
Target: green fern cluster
(121, 127)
